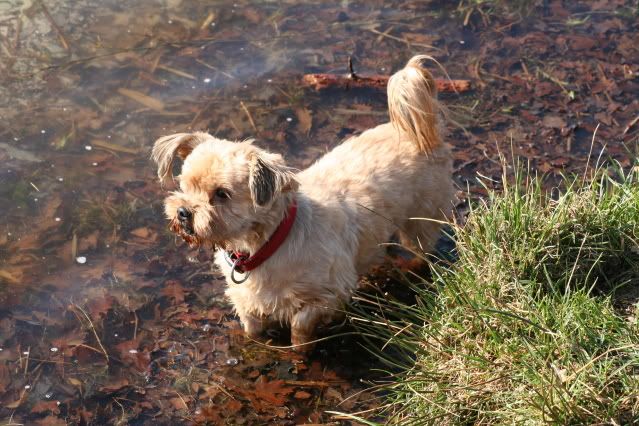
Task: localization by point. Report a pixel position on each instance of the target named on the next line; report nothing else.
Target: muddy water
(104, 316)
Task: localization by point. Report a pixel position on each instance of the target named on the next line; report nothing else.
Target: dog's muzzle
(185, 219)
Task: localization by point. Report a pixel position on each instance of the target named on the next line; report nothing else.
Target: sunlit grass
(523, 327)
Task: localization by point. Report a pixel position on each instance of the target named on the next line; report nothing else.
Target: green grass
(524, 327)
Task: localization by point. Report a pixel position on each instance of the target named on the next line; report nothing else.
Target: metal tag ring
(233, 271)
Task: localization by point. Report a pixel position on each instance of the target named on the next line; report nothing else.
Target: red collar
(244, 262)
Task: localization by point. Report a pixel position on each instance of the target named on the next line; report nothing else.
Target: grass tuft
(523, 327)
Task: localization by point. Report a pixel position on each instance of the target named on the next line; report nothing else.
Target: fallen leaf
(45, 406)
(302, 395)
(115, 385)
(274, 391)
(141, 98)
(5, 378)
(142, 232)
(554, 121)
(173, 290)
(304, 119)
(178, 403)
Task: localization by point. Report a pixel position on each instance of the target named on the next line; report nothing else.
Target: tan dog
(316, 230)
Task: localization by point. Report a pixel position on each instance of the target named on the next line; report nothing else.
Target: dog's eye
(222, 194)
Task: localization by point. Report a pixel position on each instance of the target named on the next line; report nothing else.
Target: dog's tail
(412, 103)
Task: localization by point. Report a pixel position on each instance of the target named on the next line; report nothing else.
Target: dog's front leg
(303, 326)
(253, 325)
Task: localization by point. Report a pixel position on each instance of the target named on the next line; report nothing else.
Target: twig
(631, 125)
(402, 40)
(201, 62)
(16, 41)
(176, 72)
(248, 114)
(325, 81)
(55, 26)
(95, 332)
(26, 364)
(135, 329)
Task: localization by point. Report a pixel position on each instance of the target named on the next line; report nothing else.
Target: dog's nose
(183, 214)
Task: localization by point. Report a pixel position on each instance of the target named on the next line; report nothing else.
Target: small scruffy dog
(290, 244)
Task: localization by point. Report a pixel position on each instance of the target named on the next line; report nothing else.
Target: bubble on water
(207, 80)
(81, 260)
(232, 361)
(133, 351)
(289, 119)
(54, 349)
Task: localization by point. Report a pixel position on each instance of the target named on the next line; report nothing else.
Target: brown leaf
(305, 120)
(274, 391)
(5, 378)
(115, 385)
(554, 121)
(51, 421)
(46, 406)
(173, 290)
(141, 98)
(142, 232)
(178, 403)
(302, 395)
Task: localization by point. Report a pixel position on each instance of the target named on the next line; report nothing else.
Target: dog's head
(225, 187)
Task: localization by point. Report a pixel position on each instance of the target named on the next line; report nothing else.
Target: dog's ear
(167, 147)
(269, 176)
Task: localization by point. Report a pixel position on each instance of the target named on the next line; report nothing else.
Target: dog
(292, 244)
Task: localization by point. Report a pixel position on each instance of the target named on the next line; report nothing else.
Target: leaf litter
(142, 329)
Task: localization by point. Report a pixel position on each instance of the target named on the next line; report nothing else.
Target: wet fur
(349, 204)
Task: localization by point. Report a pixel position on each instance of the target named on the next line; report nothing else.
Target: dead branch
(351, 80)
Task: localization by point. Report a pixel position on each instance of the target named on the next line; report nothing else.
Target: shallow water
(104, 316)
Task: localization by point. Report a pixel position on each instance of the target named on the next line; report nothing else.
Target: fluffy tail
(412, 103)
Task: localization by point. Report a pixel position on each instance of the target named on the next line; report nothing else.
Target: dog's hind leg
(420, 235)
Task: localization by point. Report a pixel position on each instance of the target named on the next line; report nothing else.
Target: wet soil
(105, 318)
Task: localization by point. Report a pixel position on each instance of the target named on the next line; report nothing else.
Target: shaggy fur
(349, 203)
